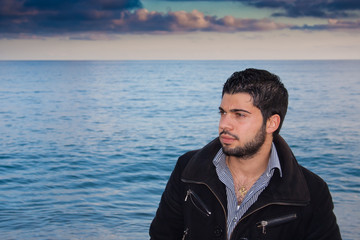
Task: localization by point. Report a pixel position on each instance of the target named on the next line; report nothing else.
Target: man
(246, 184)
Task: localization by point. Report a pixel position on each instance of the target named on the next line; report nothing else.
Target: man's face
(241, 128)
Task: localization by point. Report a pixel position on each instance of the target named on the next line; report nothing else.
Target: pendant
(242, 191)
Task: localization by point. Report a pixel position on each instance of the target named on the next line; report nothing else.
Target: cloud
(304, 8)
(143, 21)
(333, 24)
(93, 19)
(80, 4)
(318, 9)
(60, 17)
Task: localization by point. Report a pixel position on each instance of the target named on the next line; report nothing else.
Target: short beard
(250, 148)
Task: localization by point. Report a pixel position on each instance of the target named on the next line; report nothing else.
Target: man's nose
(225, 122)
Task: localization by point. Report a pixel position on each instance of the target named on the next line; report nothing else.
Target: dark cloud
(81, 4)
(316, 8)
(304, 8)
(60, 16)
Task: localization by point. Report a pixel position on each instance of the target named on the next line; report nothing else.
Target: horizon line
(173, 59)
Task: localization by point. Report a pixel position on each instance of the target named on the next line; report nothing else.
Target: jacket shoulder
(318, 188)
(313, 180)
(199, 156)
(185, 158)
(323, 221)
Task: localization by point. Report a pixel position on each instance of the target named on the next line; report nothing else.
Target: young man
(246, 184)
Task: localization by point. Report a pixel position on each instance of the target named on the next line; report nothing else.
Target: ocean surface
(86, 147)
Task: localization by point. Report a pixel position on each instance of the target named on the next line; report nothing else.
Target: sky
(179, 29)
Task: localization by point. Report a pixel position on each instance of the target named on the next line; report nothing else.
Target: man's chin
(238, 153)
(229, 151)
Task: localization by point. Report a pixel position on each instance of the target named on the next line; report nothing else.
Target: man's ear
(273, 123)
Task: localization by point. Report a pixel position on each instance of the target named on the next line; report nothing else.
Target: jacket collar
(290, 188)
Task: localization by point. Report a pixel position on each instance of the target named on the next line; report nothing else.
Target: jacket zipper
(275, 221)
(266, 205)
(222, 206)
(186, 231)
(199, 201)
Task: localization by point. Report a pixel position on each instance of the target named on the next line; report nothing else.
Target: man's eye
(240, 115)
(222, 112)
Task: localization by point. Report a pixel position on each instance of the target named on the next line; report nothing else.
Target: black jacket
(297, 205)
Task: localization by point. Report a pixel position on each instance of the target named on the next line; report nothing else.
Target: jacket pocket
(197, 202)
(276, 221)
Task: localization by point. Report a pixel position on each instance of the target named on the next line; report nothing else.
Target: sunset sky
(172, 29)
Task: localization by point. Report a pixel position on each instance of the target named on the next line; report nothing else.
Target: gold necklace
(240, 189)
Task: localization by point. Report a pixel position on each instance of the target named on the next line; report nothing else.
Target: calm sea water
(86, 148)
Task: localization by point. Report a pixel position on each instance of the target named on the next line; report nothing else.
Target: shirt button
(235, 219)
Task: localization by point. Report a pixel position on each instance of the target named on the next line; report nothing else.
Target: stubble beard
(250, 148)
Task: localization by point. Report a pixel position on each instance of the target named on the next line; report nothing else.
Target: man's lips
(227, 138)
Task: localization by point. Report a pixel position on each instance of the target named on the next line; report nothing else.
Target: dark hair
(267, 91)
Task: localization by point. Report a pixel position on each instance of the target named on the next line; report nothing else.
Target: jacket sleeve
(323, 225)
(168, 223)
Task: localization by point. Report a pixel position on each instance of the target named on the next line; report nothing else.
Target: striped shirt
(235, 211)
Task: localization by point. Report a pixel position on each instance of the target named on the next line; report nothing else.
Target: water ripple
(86, 148)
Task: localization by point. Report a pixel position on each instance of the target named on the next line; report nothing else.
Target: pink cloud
(336, 23)
(143, 20)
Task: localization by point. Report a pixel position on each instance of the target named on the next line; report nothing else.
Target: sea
(86, 147)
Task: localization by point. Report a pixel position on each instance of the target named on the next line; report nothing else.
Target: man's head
(266, 90)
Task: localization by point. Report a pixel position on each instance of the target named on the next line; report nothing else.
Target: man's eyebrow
(239, 110)
(235, 110)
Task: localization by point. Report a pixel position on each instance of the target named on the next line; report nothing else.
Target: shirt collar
(274, 162)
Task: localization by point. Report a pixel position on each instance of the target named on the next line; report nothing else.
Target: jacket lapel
(201, 170)
(291, 188)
